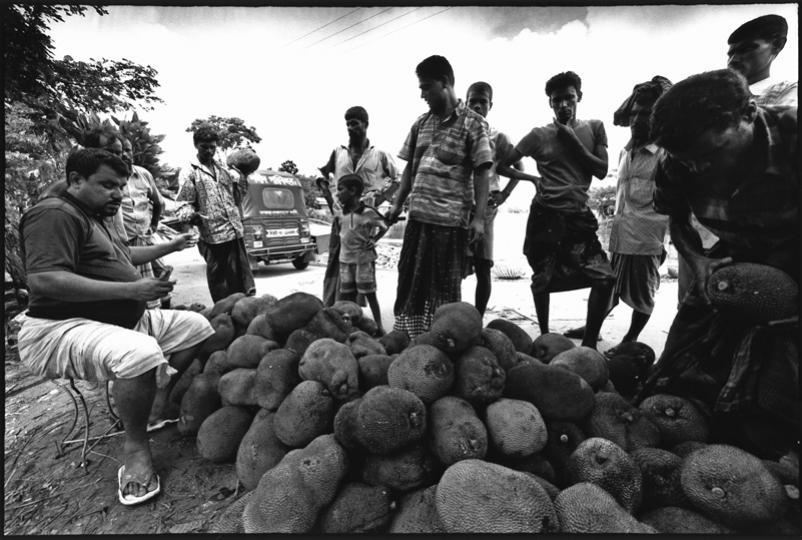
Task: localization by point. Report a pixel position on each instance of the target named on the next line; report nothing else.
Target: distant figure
(378, 172)
(638, 232)
(736, 166)
(480, 99)
(208, 190)
(141, 208)
(448, 157)
(752, 48)
(561, 243)
(361, 227)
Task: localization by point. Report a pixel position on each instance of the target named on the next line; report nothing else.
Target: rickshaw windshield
(277, 198)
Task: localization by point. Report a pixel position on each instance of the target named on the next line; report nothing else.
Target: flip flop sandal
(130, 500)
(161, 424)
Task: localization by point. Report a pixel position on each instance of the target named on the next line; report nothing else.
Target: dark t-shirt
(565, 182)
(59, 235)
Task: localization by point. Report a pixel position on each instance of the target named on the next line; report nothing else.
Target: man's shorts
(358, 277)
(93, 351)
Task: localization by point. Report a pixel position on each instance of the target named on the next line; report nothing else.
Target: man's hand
(702, 268)
(197, 218)
(182, 241)
(497, 198)
(392, 214)
(476, 230)
(565, 133)
(151, 288)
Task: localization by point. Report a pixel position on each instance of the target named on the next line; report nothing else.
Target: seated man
(735, 165)
(87, 316)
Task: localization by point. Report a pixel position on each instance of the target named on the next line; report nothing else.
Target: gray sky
(291, 72)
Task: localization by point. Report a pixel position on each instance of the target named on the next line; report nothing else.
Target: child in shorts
(361, 226)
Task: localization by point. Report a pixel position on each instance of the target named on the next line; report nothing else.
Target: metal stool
(75, 395)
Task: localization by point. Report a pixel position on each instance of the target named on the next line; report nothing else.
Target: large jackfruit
(615, 419)
(754, 292)
(678, 419)
(456, 326)
(587, 508)
(520, 339)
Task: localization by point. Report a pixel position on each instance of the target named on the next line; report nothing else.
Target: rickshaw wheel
(300, 262)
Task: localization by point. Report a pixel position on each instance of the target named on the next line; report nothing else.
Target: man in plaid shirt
(733, 164)
(448, 157)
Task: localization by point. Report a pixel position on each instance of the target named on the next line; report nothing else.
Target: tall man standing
(561, 243)
(735, 165)
(448, 157)
(377, 170)
(480, 100)
(208, 189)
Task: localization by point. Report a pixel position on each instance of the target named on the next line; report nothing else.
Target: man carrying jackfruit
(734, 164)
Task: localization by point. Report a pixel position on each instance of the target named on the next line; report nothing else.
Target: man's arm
(156, 200)
(515, 173)
(481, 183)
(70, 287)
(187, 195)
(144, 254)
(595, 161)
(402, 193)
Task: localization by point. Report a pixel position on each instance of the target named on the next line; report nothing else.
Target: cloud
(508, 21)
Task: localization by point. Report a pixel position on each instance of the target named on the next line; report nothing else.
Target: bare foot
(138, 477)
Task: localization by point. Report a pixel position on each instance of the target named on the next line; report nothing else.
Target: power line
(322, 27)
(349, 27)
(399, 29)
(379, 26)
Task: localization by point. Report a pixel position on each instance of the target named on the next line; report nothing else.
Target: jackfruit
(357, 508)
(478, 378)
(306, 413)
(330, 323)
(247, 350)
(388, 419)
(754, 292)
(225, 305)
(361, 344)
(456, 326)
(456, 432)
(660, 478)
(515, 427)
(401, 471)
(259, 450)
(334, 365)
(586, 362)
(237, 387)
(558, 393)
(200, 400)
(586, 508)
(300, 340)
(615, 419)
(475, 496)
(292, 312)
(373, 370)
(520, 339)
(629, 367)
(394, 341)
(677, 520)
(417, 513)
(678, 419)
(547, 346)
(501, 346)
(563, 438)
(220, 434)
(424, 370)
(276, 376)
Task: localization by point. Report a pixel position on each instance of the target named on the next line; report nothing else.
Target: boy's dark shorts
(358, 277)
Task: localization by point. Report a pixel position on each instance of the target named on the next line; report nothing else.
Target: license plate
(280, 232)
(258, 243)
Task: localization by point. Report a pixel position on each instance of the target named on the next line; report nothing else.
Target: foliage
(232, 131)
(144, 144)
(310, 189)
(289, 166)
(601, 198)
(50, 103)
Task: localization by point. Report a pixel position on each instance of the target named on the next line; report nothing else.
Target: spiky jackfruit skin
(558, 393)
(246, 309)
(678, 520)
(330, 323)
(475, 496)
(587, 508)
(291, 495)
(223, 327)
(394, 341)
(660, 478)
(456, 432)
(220, 434)
(501, 346)
(225, 305)
(247, 350)
(607, 465)
(629, 367)
(515, 427)
(388, 419)
(357, 508)
(546, 346)
(456, 326)
(755, 292)
(424, 370)
(300, 340)
(292, 312)
(373, 370)
(479, 379)
(362, 344)
(677, 418)
(417, 513)
(520, 339)
(199, 401)
(614, 418)
(333, 364)
(402, 471)
(306, 413)
(230, 521)
(276, 376)
(259, 450)
(586, 362)
(345, 425)
(237, 387)
(563, 438)
(731, 486)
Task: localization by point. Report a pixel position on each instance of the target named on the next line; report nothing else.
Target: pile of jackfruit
(465, 429)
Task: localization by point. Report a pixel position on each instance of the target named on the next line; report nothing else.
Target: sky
(291, 72)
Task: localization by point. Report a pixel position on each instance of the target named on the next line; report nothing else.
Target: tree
(144, 144)
(232, 131)
(289, 166)
(48, 104)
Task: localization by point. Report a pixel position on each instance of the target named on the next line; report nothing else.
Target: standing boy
(561, 243)
(360, 227)
(448, 158)
(480, 100)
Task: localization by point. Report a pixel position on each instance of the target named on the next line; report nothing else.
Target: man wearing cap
(753, 47)
(378, 172)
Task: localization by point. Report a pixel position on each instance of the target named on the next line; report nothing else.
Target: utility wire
(378, 26)
(322, 27)
(399, 29)
(349, 27)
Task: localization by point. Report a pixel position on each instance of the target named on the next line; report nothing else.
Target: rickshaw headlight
(304, 228)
